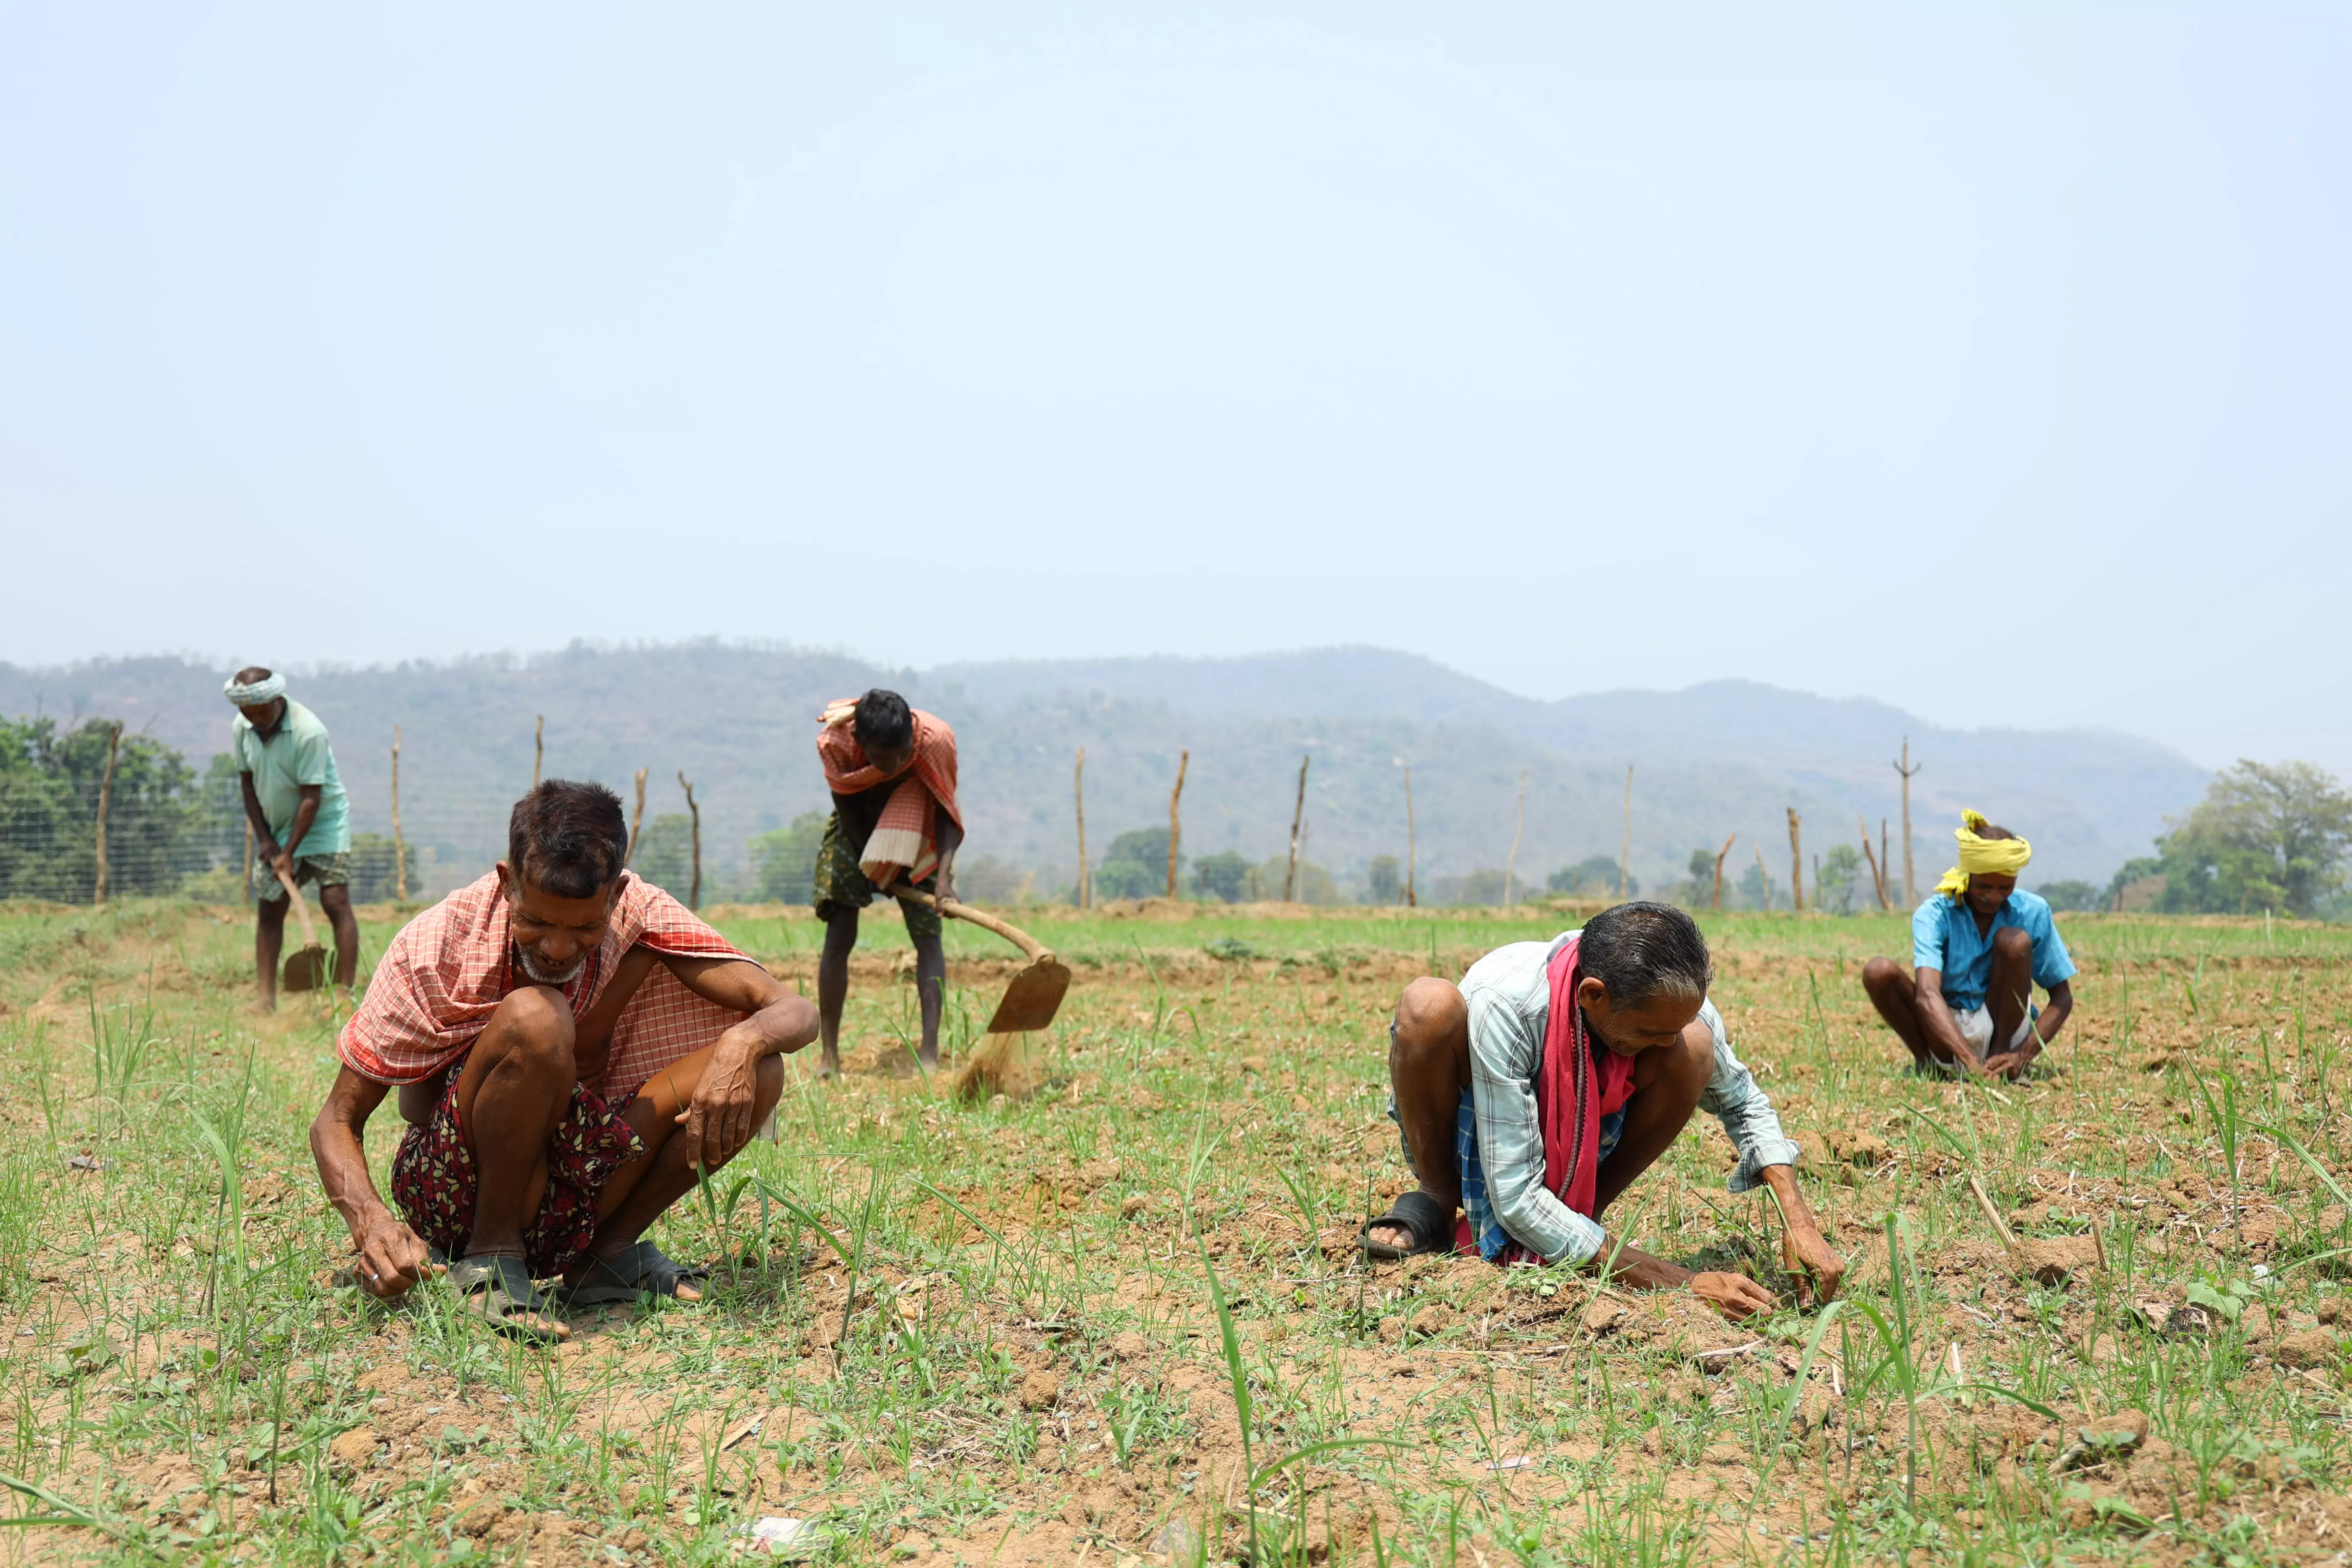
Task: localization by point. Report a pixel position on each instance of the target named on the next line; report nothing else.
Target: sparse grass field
(988, 1333)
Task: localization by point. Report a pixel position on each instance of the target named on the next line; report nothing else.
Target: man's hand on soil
(1817, 1270)
(1735, 1296)
(392, 1258)
(718, 1121)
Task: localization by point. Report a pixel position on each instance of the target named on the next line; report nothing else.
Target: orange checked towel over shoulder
(907, 834)
(450, 967)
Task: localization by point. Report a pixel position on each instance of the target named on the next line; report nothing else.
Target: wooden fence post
(1511, 864)
(1411, 898)
(1297, 815)
(105, 799)
(399, 845)
(1910, 888)
(1796, 861)
(636, 822)
(538, 749)
(1763, 879)
(1175, 832)
(1625, 852)
(694, 900)
(1718, 870)
(1078, 785)
(1877, 877)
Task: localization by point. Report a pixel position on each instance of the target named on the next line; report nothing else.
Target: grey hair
(1642, 951)
(568, 838)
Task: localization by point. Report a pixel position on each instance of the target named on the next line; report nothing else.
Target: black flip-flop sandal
(497, 1287)
(1431, 1228)
(635, 1270)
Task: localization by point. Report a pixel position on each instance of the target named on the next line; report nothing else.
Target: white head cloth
(254, 695)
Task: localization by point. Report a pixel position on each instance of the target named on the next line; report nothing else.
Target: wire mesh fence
(89, 812)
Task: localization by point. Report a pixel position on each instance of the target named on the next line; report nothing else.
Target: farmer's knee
(2011, 942)
(1691, 1064)
(1430, 1015)
(534, 1025)
(767, 1085)
(1883, 974)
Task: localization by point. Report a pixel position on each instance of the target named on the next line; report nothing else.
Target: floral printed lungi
(433, 1179)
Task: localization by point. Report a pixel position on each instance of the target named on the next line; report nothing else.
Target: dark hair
(569, 839)
(251, 673)
(1644, 949)
(884, 720)
(1993, 830)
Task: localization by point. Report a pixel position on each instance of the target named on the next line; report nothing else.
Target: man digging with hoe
(1533, 1094)
(892, 772)
(572, 1048)
(300, 817)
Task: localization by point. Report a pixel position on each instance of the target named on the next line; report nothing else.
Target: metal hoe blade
(307, 970)
(1032, 998)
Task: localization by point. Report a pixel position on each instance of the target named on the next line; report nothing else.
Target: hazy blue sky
(1991, 361)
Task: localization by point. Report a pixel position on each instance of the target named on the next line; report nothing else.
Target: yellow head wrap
(2006, 857)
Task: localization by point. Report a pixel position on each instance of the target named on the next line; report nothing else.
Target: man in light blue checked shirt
(1462, 1064)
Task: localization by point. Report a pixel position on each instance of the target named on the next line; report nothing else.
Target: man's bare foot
(929, 1058)
(828, 1065)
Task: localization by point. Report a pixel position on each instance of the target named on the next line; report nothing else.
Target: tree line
(2268, 836)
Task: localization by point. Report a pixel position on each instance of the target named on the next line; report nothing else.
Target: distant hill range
(1725, 757)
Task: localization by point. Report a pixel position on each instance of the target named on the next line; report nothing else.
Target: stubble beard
(543, 976)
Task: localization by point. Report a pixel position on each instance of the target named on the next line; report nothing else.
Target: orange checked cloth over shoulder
(450, 967)
(907, 834)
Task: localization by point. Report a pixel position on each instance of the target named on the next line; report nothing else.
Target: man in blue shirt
(1980, 945)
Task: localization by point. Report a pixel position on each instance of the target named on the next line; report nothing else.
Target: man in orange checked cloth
(892, 772)
(572, 1048)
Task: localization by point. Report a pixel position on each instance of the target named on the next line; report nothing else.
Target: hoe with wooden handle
(1036, 992)
(307, 970)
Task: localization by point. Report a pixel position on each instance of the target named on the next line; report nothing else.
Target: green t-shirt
(296, 753)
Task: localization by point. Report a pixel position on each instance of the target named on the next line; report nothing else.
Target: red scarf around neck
(1575, 1087)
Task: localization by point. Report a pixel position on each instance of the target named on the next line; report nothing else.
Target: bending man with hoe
(1981, 944)
(302, 819)
(1533, 1094)
(572, 1048)
(892, 772)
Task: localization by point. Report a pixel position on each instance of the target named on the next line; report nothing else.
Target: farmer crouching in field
(1981, 944)
(892, 772)
(570, 1046)
(302, 819)
(1532, 1095)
